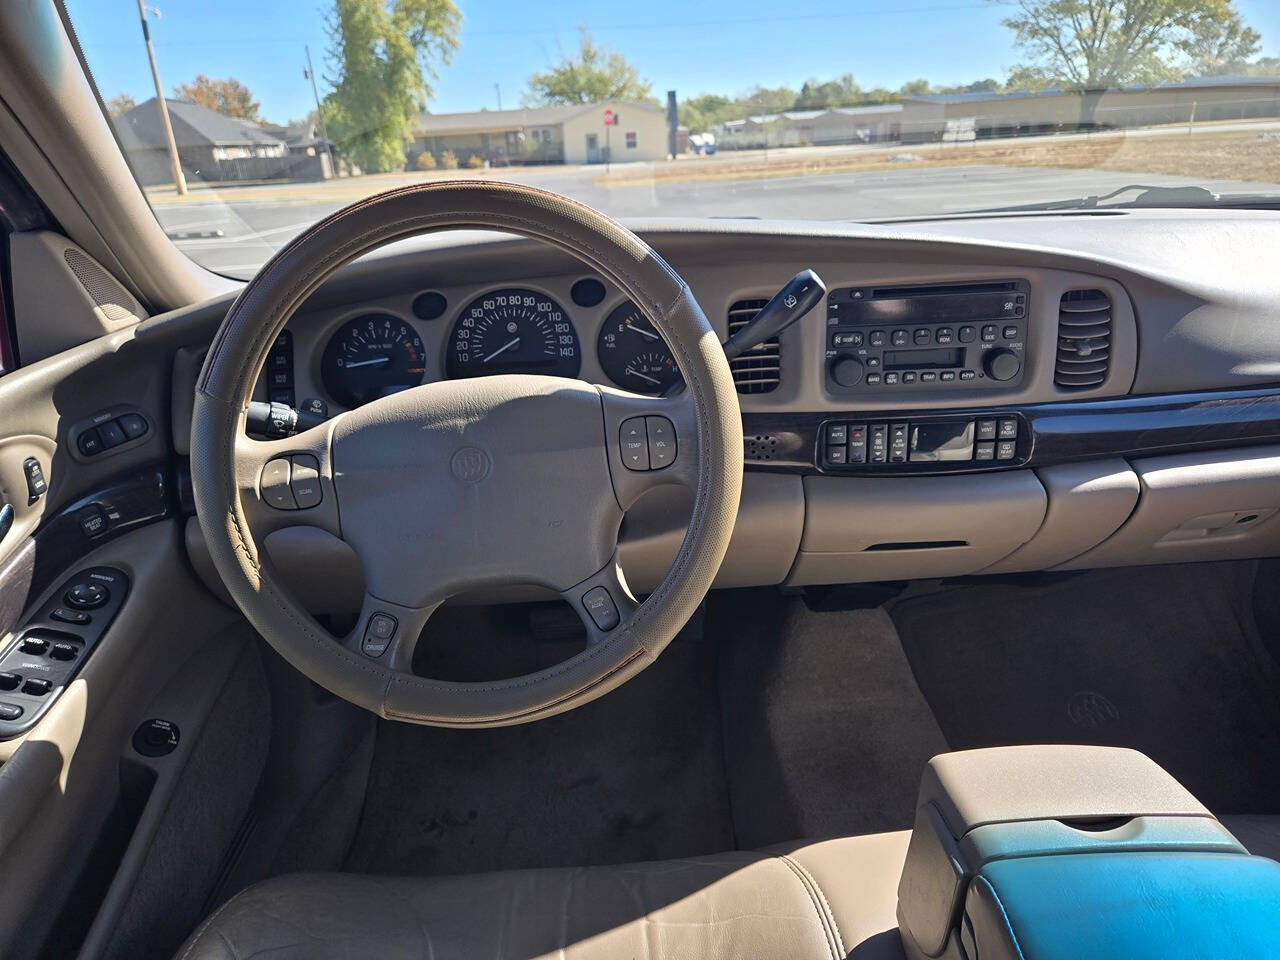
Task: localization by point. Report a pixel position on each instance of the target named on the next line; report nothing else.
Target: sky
(706, 46)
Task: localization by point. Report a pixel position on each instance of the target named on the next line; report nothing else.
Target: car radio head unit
(926, 337)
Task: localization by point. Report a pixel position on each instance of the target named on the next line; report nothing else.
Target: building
(558, 134)
(211, 147)
(803, 128)
(936, 117)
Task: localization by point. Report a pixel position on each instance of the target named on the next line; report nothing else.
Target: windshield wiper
(1150, 196)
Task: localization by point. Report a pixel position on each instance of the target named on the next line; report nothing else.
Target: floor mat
(825, 729)
(1163, 659)
(635, 775)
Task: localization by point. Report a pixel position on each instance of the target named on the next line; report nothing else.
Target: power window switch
(9, 681)
(34, 646)
(36, 686)
(10, 711)
(64, 651)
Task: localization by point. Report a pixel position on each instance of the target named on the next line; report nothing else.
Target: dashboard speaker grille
(112, 299)
(759, 369)
(1084, 339)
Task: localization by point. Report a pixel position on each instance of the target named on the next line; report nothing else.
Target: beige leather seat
(828, 899)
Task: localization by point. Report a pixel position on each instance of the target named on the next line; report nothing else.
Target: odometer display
(370, 357)
(513, 331)
(633, 354)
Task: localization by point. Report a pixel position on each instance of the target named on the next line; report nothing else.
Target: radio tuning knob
(1002, 364)
(847, 372)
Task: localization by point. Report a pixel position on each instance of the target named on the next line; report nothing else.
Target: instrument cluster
(506, 330)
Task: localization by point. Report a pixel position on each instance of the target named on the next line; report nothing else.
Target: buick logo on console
(470, 464)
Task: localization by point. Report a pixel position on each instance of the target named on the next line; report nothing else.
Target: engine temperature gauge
(633, 354)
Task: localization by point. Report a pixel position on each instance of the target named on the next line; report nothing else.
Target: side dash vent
(759, 369)
(1084, 340)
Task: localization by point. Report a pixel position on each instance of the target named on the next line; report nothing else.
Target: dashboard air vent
(1084, 339)
(758, 370)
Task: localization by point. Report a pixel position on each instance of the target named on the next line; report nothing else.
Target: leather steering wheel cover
(264, 307)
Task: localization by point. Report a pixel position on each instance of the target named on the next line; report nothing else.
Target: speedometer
(513, 331)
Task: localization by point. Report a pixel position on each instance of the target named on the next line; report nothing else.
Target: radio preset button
(899, 338)
(877, 338)
(990, 332)
(945, 336)
(968, 334)
(922, 336)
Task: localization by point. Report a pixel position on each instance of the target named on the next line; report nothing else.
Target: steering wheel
(458, 485)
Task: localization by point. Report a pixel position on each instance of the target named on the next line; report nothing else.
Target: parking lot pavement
(236, 229)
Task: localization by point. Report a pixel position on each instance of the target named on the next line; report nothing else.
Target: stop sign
(608, 117)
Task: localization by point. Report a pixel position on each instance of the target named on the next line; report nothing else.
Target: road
(236, 232)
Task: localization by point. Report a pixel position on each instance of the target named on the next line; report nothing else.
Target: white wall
(649, 124)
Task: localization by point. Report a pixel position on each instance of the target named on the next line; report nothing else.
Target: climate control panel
(922, 338)
(923, 444)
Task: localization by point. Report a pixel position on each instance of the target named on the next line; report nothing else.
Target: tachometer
(372, 356)
(633, 354)
(513, 331)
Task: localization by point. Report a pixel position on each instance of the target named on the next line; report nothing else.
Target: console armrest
(1054, 804)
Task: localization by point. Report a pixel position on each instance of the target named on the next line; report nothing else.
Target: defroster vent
(759, 369)
(1084, 339)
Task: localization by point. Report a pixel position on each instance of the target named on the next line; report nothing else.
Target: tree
(1217, 47)
(229, 97)
(1092, 44)
(120, 103)
(383, 54)
(597, 74)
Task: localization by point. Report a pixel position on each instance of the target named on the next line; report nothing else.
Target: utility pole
(311, 75)
(497, 88)
(179, 181)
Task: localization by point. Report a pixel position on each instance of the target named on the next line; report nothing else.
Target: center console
(1048, 852)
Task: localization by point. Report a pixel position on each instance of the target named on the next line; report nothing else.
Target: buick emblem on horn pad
(470, 464)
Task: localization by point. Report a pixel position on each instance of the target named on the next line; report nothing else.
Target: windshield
(275, 114)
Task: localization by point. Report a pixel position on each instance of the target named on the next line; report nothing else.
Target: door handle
(6, 520)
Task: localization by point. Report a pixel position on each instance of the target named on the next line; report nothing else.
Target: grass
(1228, 156)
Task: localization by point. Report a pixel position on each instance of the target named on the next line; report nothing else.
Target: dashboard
(987, 395)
